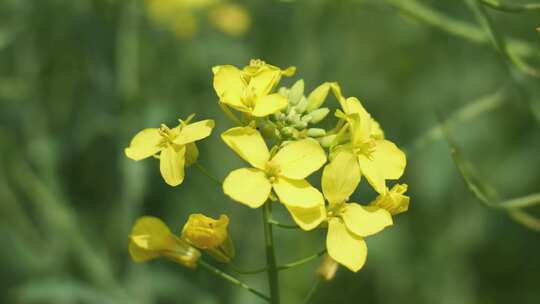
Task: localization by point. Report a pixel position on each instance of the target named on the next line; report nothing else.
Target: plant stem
(312, 290)
(302, 261)
(232, 279)
(207, 174)
(508, 7)
(273, 277)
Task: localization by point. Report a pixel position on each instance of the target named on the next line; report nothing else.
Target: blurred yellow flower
(151, 238)
(180, 16)
(249, 90)
(348, 223)
(174, 147)
(285, 172)
(393, 200)
(211, 235)
(233, 19)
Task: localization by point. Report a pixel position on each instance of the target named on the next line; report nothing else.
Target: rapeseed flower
(284, 172)
(250, 90)
(393, 200)
(348, 222)
(175, 147)
(211, 235)
(150, 238)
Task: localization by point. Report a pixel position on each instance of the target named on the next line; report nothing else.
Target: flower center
(167, 134)
(365, 148)
(248, 97)
(272, 171)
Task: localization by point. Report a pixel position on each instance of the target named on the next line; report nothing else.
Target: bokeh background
(79, 78)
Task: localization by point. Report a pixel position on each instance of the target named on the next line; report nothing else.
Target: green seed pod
(318, 115)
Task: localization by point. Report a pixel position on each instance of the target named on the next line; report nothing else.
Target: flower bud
(211, 235)
(318, 115)
(151, 238)
(327, 140)
(296, 92)
(302, 105)
(328, 268)
(318, 96)
(316, 132)
(394, 200)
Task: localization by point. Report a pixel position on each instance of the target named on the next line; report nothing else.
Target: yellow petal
(365, 220)
(195, 131)
(264, 81)
(150, 233)
(230, 86)
(394, 201)
(248, 144)
(171, 165)
(269, 104)
(386, 162)
(141, 255)
(340, 177)
(344, 247)
(228, 80)
(145, 144)
(192, 153)
(297, 193)
(299, 159)
(360, 128)
(307, 218)
(248, 186)
(354, 106)
(205, 232)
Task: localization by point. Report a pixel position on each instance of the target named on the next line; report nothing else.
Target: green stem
(312, 290)
(233, 280)
(273, 276)
(281, 225)
(302, 261)
(511, 8)
(207, 174)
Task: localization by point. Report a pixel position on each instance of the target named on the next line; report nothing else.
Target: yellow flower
(285, 172)
(232, 19)
(174, 147)
(151, 238)
(348, 223)
(378, 159)
(249, 90)
(351, 106)
(393, 200)
(211, 235)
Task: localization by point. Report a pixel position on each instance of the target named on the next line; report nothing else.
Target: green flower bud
(302, 105)
(327, 141)
(318, 115)
(318, 96)
(296, 92)
(316, 132)
(306, 118)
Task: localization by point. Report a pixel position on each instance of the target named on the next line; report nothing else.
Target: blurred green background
(79, 78)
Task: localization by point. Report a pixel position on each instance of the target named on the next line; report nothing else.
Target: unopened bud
(296, 92)
(317, 97)
(316, 132)
(318, 115)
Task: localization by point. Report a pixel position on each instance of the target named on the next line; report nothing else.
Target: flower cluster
(356, 147)
(278, 134)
